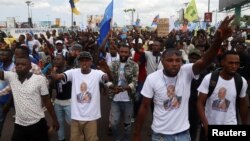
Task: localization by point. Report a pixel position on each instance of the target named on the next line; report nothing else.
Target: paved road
(102, 125)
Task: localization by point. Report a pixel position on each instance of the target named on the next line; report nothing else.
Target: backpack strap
(238, 83)
(213, 82)
(238, 86)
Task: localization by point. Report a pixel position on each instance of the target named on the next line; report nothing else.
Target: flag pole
(72, 20)
(111, 22)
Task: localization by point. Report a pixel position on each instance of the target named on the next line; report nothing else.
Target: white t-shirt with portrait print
(221, 112)
(85, 105)
(27, 97)
(170, 112)
(122, 96)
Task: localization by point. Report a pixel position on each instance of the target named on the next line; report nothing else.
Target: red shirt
(140, 57)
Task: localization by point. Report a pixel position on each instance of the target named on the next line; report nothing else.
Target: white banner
(15, 32)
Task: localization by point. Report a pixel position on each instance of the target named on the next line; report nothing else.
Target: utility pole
(208, 6)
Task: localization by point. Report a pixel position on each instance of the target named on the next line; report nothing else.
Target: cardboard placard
(163, 27)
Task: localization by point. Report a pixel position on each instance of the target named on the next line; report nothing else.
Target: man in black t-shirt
(63, 97)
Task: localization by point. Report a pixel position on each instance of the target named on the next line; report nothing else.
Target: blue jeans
(138, 98)
(2, 118)
(182, 136)
(62, 113)
(118, 109)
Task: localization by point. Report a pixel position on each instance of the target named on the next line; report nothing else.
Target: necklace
(176, 78)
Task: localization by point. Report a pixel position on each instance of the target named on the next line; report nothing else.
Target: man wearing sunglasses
(173, 124)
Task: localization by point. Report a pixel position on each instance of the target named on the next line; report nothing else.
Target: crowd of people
(137, 70)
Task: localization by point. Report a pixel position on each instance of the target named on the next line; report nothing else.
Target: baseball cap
(76, 47)
(85, 55)
(195, 51)
(59, 42)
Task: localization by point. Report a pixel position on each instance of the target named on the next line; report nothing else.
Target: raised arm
(102, 47)
(223, 32)
(56, 76)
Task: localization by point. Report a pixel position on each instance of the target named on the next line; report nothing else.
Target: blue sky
(44, 10)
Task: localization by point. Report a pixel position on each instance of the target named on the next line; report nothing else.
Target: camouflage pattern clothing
(131, 70)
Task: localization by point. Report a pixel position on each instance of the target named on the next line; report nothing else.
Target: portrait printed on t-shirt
(173, 101)
(221, 104)
(85, 95)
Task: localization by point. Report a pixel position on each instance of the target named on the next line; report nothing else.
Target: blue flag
(155, 20)
(105, 23)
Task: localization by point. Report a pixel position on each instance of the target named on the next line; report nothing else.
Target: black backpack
(238, 85)
(214, 78)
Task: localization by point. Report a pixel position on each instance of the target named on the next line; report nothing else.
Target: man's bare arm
(224, 31)
(146, 102)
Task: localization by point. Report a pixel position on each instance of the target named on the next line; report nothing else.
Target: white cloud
(62, 9)
(147, 9)
(12, 2)
(41, 5)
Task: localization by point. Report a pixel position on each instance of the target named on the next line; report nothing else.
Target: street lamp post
(132, 14)
(29, 18)
(208, 6)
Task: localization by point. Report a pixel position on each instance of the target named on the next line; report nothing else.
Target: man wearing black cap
(85, 95)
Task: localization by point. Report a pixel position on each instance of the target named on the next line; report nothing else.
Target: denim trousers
(63, 113)
(182, 136)
(138, 99)
(119, 109)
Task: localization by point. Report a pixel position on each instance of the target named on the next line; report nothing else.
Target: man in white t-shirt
(153, 57)
(219, 108)
(170, 122)
(85, 97)
(28, 95)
